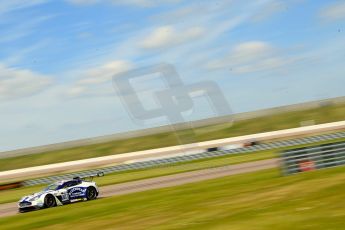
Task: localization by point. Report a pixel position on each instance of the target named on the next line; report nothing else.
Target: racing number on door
(64, 196)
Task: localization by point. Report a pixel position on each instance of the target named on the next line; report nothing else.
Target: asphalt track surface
(167, 181)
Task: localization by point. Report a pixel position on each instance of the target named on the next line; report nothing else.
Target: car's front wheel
(49, 201)
(91, 193)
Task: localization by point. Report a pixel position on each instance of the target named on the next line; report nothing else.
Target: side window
(68, 184)
(71, 183)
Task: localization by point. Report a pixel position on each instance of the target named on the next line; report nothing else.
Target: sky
(57, 59)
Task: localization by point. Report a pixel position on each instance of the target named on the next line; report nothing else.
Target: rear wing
(89, 177)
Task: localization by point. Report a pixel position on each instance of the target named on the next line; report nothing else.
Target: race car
(61, 193)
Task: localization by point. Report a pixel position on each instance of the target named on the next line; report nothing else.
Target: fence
(192, 157)
(312, 158)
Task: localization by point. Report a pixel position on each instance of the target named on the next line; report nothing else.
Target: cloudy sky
(57, 59)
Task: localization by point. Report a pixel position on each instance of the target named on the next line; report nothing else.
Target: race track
(167, 181)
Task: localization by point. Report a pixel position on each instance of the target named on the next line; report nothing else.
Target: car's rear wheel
(91, 193)
(49, 201)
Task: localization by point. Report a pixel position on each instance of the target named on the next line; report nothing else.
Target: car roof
(65, 181)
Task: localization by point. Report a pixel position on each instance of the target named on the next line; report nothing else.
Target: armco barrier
(312, 158)
(185, 158)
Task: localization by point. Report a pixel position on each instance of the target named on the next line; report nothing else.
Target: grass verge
(256, 201)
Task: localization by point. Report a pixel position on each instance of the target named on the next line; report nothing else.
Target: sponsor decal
(76, 192)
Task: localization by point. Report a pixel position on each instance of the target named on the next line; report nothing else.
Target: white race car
(60, 193)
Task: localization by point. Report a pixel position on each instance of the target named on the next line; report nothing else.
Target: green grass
(285, 120)
(255, 201)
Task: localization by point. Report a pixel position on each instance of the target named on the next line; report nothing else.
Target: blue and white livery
(60, 193)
